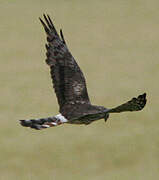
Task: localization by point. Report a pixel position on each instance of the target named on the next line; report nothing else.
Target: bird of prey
(70, 87)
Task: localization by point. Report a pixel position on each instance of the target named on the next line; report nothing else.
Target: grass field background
(116, 43)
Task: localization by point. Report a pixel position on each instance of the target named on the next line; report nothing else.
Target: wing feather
(135, 104)
(68, 80)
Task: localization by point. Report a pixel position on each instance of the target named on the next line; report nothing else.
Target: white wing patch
(45, 126)
(61, 118)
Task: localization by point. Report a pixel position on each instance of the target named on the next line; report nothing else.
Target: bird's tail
(43, 123)
(135, 104)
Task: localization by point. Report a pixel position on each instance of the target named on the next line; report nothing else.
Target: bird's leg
(44, 122)
(135, 104)
(106, 117)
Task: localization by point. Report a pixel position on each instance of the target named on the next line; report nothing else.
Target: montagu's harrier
(70, 87)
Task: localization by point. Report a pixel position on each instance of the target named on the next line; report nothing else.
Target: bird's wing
(68, 80)
(135, 104)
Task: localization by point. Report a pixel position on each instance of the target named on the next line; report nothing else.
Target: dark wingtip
(62, 36)
(50, 19)
(41, 20)
(44, 15)
(44, 25)
(49, 26)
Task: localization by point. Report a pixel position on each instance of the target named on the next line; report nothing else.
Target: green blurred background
(116, 44)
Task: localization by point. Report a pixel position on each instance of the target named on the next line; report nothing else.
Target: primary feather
(68, 80)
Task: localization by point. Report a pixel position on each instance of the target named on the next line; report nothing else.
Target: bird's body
(70, 87)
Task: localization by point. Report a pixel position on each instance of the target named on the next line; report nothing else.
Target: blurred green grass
(116, 44)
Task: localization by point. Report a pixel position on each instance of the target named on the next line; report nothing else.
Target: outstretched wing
(135, 104)
(68, 80)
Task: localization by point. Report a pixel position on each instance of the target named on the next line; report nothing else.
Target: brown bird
(70, 87)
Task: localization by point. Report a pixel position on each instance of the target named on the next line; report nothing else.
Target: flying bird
(70, 87)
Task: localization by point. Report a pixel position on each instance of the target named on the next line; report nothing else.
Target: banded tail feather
(43, 123)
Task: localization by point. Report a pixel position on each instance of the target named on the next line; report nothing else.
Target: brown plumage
(70, 87)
